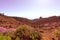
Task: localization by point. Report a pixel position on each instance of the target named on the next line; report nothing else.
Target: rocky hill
(10, 21)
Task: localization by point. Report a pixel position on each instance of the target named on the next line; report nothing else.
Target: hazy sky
(30, 8)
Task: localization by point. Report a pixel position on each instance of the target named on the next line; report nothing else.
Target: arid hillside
(49, 28)
(40, 22)
(10, 21)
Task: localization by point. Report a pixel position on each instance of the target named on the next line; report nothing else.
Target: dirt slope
(10, 21)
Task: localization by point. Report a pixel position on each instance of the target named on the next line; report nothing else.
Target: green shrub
(27, 32)
(3, 37)
(17, 38)
(57, 33)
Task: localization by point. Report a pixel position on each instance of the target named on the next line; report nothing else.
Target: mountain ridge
(10, 21)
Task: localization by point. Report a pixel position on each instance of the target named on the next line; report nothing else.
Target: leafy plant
(17, 38)
(27, 32)
(57, 33)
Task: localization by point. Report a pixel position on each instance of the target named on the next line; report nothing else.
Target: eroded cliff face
(47, 26)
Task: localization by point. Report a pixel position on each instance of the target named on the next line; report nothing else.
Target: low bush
(27, 33)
